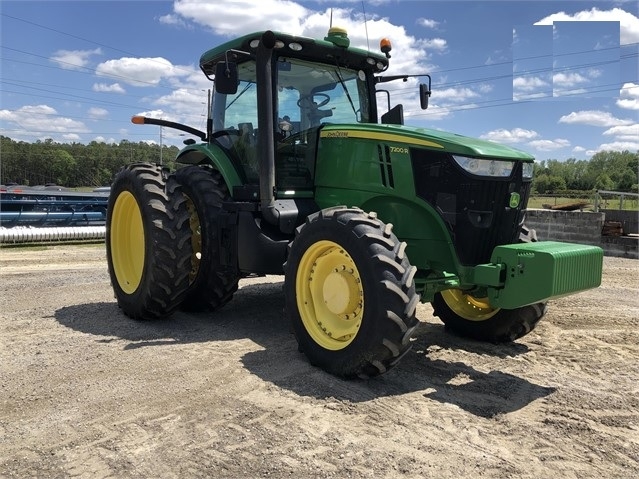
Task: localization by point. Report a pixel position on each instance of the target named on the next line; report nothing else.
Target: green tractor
(300, 174)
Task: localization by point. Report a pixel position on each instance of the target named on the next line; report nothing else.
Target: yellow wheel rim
(467, 306)
(196, 239)
(330, 297)
(127, 242)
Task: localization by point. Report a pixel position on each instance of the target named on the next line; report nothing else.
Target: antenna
(330, 24)
(368, 46)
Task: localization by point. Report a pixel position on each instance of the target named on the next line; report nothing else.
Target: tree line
(605, 170)
(74, 164)
(94, 164)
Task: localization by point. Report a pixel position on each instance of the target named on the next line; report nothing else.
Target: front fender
(429, 245)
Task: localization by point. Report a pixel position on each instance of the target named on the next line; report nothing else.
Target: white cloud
(27, 110)
(436, 44)
(594, 72)
(171, 19)
(516, 135)
(71, 137)
(619, 146)
(434, 113)
(567, 80)
(113, 88)
(455, 95)
(628, 23)
(427, 22)
(549, 145)
(42, 118)
(73, 59)
(98, 113)
(624, 132)
(578, 149)
(593, 118)
(239, 17)
(141, 71)
(246, 16)
(159, 113)
(185, 104)
(569, 83)
(101, 139)
(528, 84)
(629, 96)
(528, 88)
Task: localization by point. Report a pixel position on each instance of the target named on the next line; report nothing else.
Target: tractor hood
(435, 139)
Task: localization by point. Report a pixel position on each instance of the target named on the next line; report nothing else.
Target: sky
(557, 79)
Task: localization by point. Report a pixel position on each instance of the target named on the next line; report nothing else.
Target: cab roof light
(385, 46)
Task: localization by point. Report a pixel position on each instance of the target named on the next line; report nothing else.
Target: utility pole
(161, 146)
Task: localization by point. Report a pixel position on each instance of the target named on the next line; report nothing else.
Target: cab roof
(312, 49)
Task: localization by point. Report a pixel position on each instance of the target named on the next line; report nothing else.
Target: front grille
(475, 209)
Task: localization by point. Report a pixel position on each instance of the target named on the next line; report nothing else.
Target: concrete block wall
(628, 219)
(621, 246)
(583, 227)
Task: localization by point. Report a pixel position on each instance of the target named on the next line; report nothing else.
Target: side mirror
(424, 93)
(226, 78)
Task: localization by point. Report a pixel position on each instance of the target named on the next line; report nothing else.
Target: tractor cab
(312, 84)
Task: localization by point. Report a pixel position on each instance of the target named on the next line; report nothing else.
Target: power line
(73, 36)
(88, 70)
(399, 91)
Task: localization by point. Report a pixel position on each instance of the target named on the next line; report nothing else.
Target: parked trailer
(41, 207)
(22, 235)
(46, 215)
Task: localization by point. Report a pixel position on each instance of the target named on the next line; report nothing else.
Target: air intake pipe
(266, 141)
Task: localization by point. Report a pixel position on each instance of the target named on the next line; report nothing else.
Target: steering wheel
(228, 142)
(309, 100)
(233, 132)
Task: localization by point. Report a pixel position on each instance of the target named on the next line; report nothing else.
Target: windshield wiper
(350, 100)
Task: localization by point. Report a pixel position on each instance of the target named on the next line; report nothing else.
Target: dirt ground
(86, 392)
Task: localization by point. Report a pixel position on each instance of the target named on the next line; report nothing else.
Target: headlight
(475, 166)
(527, 170)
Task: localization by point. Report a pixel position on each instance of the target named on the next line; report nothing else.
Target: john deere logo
(514, 200)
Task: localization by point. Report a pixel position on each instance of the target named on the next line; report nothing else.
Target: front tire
(472, 317)
(147, 242)
(349, 293)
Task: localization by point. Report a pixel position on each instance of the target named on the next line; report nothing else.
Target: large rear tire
(349, 293)
(211, 285)
(147, 242)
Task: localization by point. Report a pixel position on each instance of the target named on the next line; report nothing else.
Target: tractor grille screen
(476, 209)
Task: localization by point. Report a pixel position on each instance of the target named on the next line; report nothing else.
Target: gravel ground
(87, 392)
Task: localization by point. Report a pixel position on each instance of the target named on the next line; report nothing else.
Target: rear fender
(213, 155)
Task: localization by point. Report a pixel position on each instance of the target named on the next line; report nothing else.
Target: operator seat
(245, 147)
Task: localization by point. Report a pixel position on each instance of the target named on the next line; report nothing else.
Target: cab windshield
(308, 95)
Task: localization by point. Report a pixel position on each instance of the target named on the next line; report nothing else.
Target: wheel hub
(330, 295)
(468, 306)
(340, 292)
(127, 242)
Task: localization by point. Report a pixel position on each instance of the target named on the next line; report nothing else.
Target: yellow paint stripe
(377, 136)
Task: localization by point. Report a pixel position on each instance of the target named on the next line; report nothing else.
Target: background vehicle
(298, 173)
